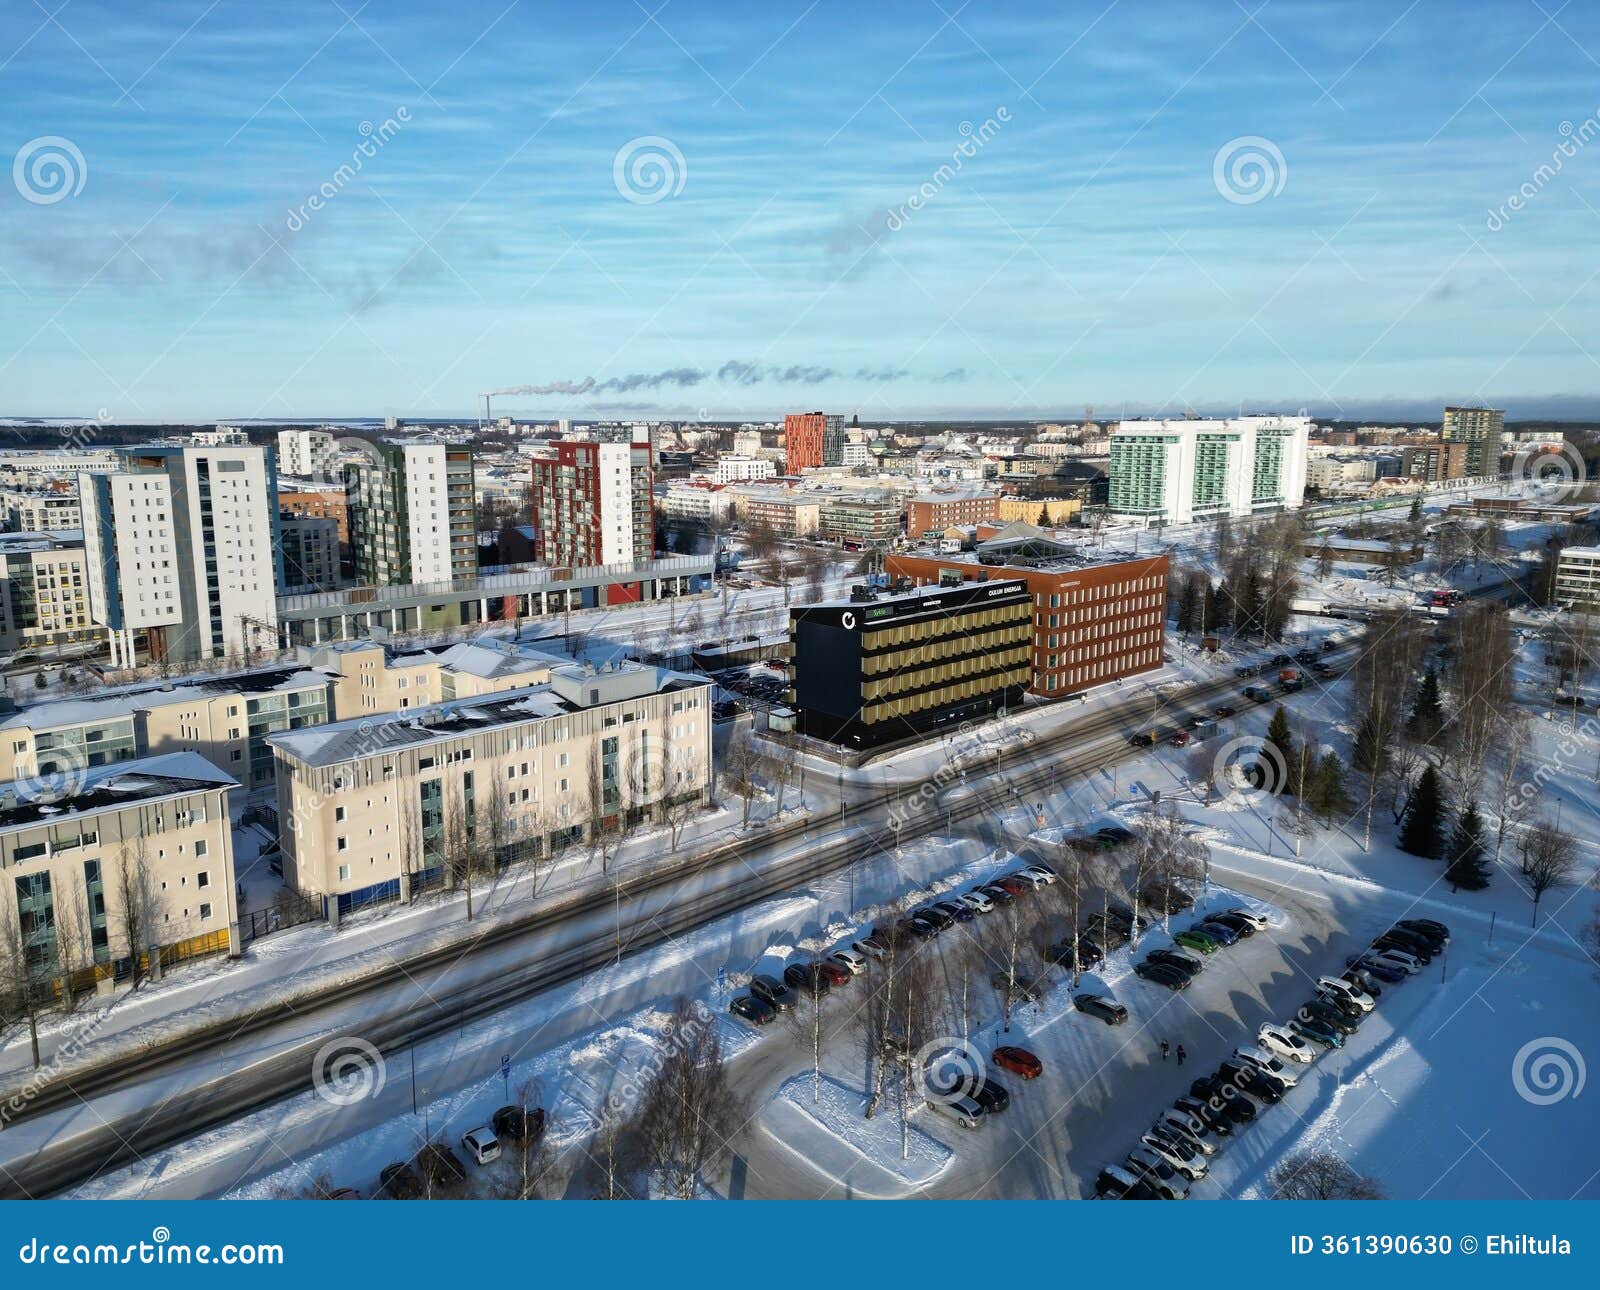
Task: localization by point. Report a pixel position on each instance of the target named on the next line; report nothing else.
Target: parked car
(836, 973)
(773, 991)
(1116, 833)
(518, 1123)
(1343, 992)
(399, 1182)
(955, 910)
(1241, 927)
(1426, 925)
(1394, 944)
(1409, 964)
(1218, 931)
(1149, 1168)
(871, 947)
(1317, 1031)
(1166, 898)
(1283, 1042)
(1098, 1005)
(1142, 740)
(1257, 1083)
(1114, 1182)
(1198, 940)
(1162, 974)
(935, 916)
(1019, 985)
(992, 1097)
(1179, 960)
(1011, 883)
(1044, 873)
(1363, 980)
(481, 1145)
(1187, 1160)
(807, 979)
(1267, 1064)
(757, 1011)
(1256, 920)
(920, 928)
(998, 894)
(978, 902)
(1389, 973)
(1082, 959)
(1221, 1095)
(1214, 1121)
(850, 960)
(1226, 710)
(1031, 880)
(1109, 936)
(1424, 947)
(963, 1110)
(1192, 1130)
(1019, 1061)
(1320, 1009)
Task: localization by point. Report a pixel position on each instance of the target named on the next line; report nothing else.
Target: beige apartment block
(368, 679)
(122, 862)
(372, 808)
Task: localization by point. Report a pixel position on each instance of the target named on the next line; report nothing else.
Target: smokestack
(488, 416)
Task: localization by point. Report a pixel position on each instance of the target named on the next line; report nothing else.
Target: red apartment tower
(802, 440)
(592, 505)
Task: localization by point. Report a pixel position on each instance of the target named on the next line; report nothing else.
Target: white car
(1267, 1064)
(482, 1145)
(963, 1110)
(1285, 1043)
(1342, 989)
(977, 902)
(1187, 1160)
(1032, 877)
(1157, 1173)
(851, 961)
(1257, 921)
(1179, 1125)
(1039, 872)
(1399, 960)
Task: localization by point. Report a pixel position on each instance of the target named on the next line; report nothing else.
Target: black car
(1098, 1005)
(958, 912)
(1243, 926)
(517, 1123)
(399, 1182)
(1214, 1120)
(1166, 898)
(992, 1097)
(1426, 925)
(771, 990)
(1305, 655)
(1141, 740)
(1329, 1015)
(1258, 1084)
(807, 978)
(1088, 954)
(1245, 669)
(1109, 935)
(1281, 660)
(1225, 1096)
(1434, 941)
(1116, 833)
(1163, 974)
(995, 892)
(1425, 944)
(757, 1011)
(920, 928)
(934, 915)
(1182, 962)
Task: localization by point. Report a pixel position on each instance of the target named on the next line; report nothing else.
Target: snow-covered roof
(90, 790)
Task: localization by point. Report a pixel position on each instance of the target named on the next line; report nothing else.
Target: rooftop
(24, 802)
(125, 700)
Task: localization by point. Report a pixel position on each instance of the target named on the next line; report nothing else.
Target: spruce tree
(1467, 867)
(1422, 829)
(1188, 605)
(1427, 715)
(1277, 773)
(1328, 796)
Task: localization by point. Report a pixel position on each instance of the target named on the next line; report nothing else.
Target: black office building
(879, 668)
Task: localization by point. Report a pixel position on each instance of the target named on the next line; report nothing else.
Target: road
(71, 1128)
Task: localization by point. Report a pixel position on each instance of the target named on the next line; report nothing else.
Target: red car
(836, 973)
(1225, 711)
(1016, 886)
(1180, 739)
(1019, 1061)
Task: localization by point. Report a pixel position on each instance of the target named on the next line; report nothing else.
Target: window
(199, 849)
(340, 844)
(344, 873)
(338, 813)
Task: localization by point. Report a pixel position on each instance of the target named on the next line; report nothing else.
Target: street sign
(722, 980)
(505, 1065)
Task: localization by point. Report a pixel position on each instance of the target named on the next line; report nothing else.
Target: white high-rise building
(732, 470)
(183, 546)
(1180, 472)
(308, 454)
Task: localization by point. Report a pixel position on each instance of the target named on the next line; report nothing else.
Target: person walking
(1163, 1050)
(1181, 1054)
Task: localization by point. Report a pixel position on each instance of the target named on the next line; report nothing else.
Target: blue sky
(1088, 249)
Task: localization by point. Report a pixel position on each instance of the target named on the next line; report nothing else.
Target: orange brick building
(1092, 623)
(802, 440)
(936, 512)
(321, 506)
